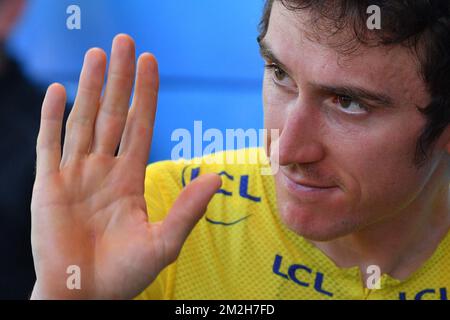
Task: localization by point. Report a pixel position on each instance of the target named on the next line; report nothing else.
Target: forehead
(308, 53)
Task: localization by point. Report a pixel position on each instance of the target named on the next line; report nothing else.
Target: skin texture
(381, 208)
(88, 206)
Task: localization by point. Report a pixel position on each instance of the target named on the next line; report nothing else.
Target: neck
(400, 245)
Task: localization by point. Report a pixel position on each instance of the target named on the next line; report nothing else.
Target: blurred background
(207, 53)
(210, 71)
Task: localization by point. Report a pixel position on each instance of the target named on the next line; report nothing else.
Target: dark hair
(421, 25)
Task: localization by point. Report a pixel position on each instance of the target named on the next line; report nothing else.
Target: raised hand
(88, 206)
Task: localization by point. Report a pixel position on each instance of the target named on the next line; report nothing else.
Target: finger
(114, 107)
(81, 121)
(137, 137)
(186, 211)
(48, 148)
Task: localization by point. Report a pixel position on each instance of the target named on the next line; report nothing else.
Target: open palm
(88, 206)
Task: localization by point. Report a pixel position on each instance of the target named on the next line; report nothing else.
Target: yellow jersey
(240, 249)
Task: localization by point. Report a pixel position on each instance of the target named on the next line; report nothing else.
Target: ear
(10, 11)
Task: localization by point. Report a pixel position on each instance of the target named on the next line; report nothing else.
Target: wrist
(41, 292)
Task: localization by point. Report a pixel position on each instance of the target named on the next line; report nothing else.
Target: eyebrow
(351, 91)
(266, 52)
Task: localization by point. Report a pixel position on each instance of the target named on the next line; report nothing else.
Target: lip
(304, 189)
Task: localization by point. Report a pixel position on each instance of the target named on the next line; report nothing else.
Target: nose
(299, 141)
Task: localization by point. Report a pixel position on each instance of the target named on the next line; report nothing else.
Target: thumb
(189, 207)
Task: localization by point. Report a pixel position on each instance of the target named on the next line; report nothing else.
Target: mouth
(306, 189)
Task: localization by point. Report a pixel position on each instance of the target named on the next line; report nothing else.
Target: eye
(279, 76)
(349, 105)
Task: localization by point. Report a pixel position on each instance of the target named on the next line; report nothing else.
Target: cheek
(381, 168)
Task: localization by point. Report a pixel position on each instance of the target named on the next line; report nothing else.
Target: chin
(316, 225)
(322, 218)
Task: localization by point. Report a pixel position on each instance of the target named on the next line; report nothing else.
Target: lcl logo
(441, 294)
(300, 274)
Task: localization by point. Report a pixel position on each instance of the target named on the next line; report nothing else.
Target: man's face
(348, 127)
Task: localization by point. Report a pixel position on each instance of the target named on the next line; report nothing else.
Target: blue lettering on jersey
(426, 292)
(277, 266)
(292, 272)
(243, 190)
(243, 183)
(318, 284)
(229, 177)
(195, 172)
(293, 275)
(226, 174)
